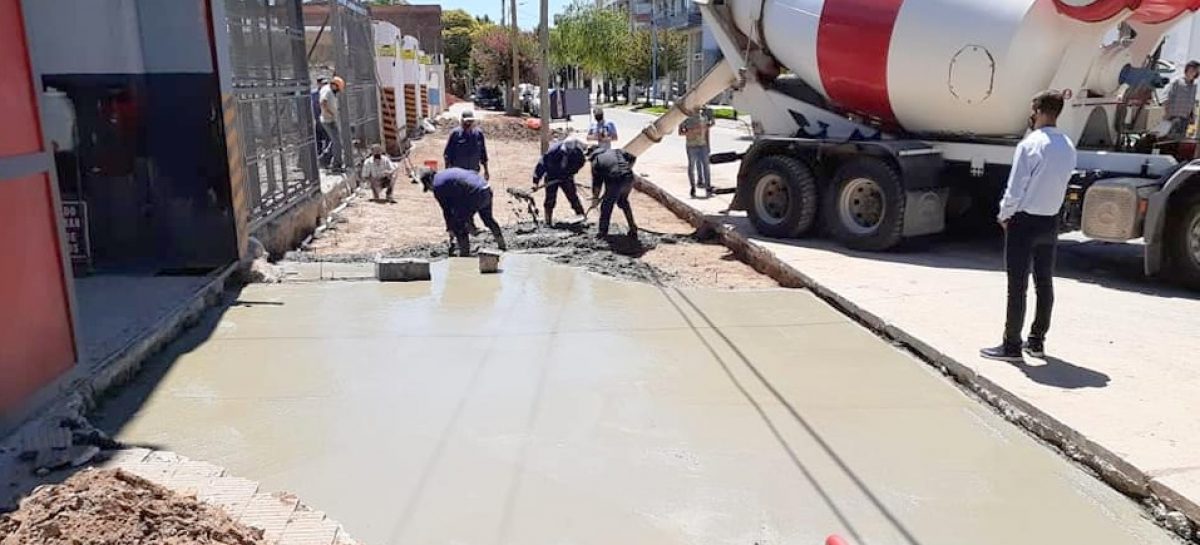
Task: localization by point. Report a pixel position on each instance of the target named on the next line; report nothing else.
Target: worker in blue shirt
(462, 193)
(559, 165)
(466, 147)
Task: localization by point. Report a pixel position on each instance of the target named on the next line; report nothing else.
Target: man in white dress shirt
(1042, 166)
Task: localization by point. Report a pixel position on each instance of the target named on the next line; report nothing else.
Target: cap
(597, 111)
(376, 149)
(468, 114)
(425, 176)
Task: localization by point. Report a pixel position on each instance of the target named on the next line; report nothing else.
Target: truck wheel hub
(860, 206)
(771, 199)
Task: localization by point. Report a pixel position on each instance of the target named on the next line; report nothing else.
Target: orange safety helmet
(338, 83)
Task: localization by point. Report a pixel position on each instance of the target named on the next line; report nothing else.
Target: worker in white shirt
(380, 172)
(602, 132)
(1042, 166)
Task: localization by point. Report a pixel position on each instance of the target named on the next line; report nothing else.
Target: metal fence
(354, 60)
(274, 107)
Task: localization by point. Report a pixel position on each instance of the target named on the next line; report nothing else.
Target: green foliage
(638, 58)
(594, 39)
(458, 26)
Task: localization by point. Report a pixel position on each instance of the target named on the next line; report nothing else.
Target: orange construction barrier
(431, 164)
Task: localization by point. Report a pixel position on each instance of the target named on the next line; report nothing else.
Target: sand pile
(116, 507)
(499, 127)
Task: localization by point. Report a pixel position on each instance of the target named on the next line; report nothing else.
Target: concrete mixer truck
(880, 120)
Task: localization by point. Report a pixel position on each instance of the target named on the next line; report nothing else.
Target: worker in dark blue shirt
(462, 193)
(559, 165)
(612, 171)
(466, 147)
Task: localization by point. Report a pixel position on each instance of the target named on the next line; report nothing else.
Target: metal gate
(274, 105)
(352, 57)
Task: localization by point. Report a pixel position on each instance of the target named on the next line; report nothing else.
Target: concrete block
(489, 261)
(401, 270)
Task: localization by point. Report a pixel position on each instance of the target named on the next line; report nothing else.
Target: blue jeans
(332, 157)
(699, 174)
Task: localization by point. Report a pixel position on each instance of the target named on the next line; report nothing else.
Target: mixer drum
(929, 66)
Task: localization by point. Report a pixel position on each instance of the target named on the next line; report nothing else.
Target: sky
(528, 13)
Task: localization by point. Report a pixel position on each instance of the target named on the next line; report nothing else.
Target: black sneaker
(1002, 353)
(693, 192)
(1035, 348)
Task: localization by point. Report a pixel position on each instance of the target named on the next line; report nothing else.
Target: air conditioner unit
(698, 56)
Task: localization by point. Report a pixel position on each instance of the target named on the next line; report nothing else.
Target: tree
(458, 30)
(639, 60)
(591, 38)
(491, 54)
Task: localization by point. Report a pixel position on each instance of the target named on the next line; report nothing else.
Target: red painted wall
(36, 339)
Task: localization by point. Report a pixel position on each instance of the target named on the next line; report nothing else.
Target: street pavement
(549, 405)
(1122, 376)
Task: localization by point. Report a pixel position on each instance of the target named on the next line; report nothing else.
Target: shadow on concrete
(1112, 265)
(116, 408)
(1061, 374)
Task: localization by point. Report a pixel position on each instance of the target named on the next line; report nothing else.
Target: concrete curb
(1107, 465)
(283, 519)
(96, 380)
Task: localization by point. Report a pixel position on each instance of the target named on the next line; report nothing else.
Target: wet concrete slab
(549, 405)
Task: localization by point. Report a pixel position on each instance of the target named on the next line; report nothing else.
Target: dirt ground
(666, 250)
(115, 507)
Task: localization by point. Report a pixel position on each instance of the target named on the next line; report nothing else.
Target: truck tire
(864, 206)
(1183, 243)
(783, 195)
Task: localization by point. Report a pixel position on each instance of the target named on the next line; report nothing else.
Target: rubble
(113, 506)
(500, 127)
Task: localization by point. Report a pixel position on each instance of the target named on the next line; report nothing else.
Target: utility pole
(516, 73)
(653, 51)
(544, 38)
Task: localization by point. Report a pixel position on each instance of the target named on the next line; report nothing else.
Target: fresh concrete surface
(550, 405)
(1123, 373)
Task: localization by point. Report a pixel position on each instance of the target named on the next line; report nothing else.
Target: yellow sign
(426, 59)
(385, 50)
(408, 54)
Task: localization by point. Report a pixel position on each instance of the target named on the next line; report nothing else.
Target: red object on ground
(835, 540)
(533, 123)
(431, 164)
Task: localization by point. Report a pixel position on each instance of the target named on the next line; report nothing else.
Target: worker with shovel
(462, 193)
(559, 165)
(612, 171)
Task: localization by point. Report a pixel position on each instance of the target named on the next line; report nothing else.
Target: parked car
(489, 98)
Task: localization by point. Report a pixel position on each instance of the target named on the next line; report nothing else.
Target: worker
(559, 165)
(379, 171)
(1181, 101)
(602, 132)
(1037, 185)
(695, 129)
(322, 138)
(462, 193)
(612, 171)
(466, 148)
(332, 158)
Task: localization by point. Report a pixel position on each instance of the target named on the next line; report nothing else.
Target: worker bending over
(462, 193)
(612, 170)
(559, 165)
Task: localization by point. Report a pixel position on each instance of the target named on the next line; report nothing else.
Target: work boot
(464, 245)
(500, 243)
(549, 216)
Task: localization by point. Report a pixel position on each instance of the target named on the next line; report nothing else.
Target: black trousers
(568, 188)
(465, 218)
(616, 193)
(1029, 242)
